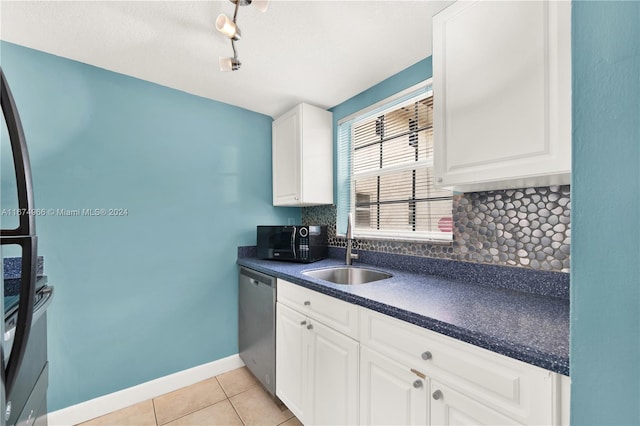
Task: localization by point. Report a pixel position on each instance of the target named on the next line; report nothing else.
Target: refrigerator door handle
(23, 235)
(27, 225)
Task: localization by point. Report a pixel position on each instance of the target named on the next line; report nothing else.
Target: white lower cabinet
(390, 394)
(291, 359)
(316, 366)
(379, 370)
(463, 384)
(332, 377)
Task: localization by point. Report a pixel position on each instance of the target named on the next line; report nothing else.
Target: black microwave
(295, 243)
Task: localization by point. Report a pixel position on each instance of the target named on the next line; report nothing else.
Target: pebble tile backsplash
(529, 227)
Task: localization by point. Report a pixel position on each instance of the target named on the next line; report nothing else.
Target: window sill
(400, 239)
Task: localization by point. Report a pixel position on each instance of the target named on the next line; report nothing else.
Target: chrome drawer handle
(303, 322)
(426, 355)
(307, 303)
(437, 395)
(309, 327)
(417, 384)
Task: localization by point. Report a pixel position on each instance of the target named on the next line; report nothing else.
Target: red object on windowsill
(445, 224)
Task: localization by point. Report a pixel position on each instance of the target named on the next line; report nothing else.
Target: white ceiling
(316, 51)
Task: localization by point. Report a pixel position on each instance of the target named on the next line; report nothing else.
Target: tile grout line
(155, 414)
(236, 411)
(193, 412)
(231, 403)
(252, 387)
(202, 408)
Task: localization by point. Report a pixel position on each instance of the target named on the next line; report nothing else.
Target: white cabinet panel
(502, 94)
(302, 157)
(286, 159)
(333, 377)
(390, 394)
(291, 359)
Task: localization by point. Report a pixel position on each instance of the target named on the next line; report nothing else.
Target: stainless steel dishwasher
(257, 325)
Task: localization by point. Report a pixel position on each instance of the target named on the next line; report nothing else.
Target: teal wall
(154, 292)
(416, 73)
(605, 267)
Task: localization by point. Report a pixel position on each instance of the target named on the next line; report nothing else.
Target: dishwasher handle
(257, 277)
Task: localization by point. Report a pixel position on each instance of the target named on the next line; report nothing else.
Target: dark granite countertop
(12, 269)
(484, 305)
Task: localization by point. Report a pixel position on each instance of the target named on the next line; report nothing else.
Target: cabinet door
(333, 377)
(502, 109)
(291, 359)
(286, 159)
(390, 394)
(449, 407)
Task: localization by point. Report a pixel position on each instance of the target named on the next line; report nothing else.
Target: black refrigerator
(26, 296)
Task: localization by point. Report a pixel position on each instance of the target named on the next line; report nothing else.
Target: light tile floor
(232, 398)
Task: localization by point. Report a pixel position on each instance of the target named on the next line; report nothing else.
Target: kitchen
(152, 293)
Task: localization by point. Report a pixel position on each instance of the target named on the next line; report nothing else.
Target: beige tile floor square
(230, 399)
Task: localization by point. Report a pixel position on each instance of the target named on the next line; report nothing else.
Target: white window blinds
(385, 160)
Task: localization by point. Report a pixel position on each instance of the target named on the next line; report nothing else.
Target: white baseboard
(114, 401)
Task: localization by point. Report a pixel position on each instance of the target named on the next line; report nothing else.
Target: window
(385, 178)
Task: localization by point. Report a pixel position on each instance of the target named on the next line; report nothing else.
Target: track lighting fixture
(229, 28)
(229, 64)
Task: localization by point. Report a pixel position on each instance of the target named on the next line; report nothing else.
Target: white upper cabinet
(502, 94)
(303, 157)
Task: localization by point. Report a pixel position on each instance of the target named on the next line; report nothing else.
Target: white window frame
(394, 102)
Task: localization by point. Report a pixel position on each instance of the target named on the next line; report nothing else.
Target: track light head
(261, 5)
(229, 64)
(227, 27)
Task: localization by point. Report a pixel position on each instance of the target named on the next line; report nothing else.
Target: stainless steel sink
(347, 275)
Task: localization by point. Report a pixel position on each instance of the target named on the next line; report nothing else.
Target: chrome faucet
(350, 256)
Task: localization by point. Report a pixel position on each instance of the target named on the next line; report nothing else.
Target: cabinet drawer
(523, 391)
(335, 313)
(453, 408)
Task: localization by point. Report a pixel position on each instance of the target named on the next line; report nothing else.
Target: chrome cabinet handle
(307, 303)
(426, 355)
(310, 327)
(303, 322)
(437, 395)
(417, 384)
